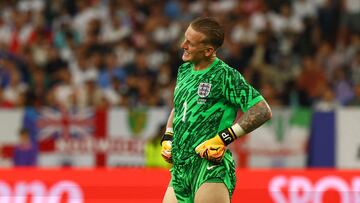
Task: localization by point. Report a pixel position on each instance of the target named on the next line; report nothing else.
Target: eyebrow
(192, 42)
(204, 41)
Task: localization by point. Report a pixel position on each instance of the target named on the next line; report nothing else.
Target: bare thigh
(212, 193)
(169, 196)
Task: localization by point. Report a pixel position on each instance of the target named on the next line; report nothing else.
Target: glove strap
(168, 136)
(227, 136)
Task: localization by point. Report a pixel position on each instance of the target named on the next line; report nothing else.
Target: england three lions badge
(204, 89)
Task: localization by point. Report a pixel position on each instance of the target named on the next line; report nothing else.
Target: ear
(209, 51)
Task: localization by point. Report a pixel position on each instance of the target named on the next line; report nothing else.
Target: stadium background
(92, 81)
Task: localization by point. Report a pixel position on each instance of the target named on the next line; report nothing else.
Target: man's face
(194, 46)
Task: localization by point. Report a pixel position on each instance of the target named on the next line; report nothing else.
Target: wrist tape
(168, 136)
(230, 134)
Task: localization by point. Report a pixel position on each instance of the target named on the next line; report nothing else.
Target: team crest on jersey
(204, 89)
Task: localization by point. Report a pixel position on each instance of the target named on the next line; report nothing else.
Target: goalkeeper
(207, 96)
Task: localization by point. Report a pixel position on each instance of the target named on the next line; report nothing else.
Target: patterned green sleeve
(238, 92)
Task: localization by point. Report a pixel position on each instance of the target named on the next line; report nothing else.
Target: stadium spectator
(242, 32)
(304, 9)
(327, 100)
(286, 21)
(355, 101)
(342, 87)
(89, 94)
(25, 153)
(110, 71)
(80, 69)
(37, 90)
(355, 68)
(64, 91)
(350, 16)
(310, 81)
(268, 91)
(13, 93)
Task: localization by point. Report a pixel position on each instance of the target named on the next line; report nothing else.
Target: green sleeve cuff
(253, 102)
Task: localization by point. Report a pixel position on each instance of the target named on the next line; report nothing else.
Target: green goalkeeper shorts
(187, 178)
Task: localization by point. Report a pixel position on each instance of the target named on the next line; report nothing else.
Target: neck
(201, 65)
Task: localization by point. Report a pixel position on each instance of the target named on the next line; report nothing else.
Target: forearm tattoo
(255, 116)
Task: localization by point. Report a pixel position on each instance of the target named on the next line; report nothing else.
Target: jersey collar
(204, 70)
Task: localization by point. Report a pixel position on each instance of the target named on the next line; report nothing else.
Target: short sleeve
(238, 92)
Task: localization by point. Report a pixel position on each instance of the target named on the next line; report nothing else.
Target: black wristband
(227, 136)
(168, 136)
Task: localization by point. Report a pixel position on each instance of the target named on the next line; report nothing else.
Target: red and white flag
(83, 137)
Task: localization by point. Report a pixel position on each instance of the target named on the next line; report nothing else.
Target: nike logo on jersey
(211, 167)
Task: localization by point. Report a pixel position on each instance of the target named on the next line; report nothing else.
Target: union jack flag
(63, 123)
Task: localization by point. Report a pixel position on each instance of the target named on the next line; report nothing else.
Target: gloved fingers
(201, 151)
(217, 151)
(166, 145)
(215, 154)
(200, 148)
(167, 157)
(166, 150)
(166, 153)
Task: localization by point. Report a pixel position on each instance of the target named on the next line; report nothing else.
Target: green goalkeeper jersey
(206, 102)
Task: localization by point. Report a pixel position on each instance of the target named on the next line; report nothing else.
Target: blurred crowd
(87, 53)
